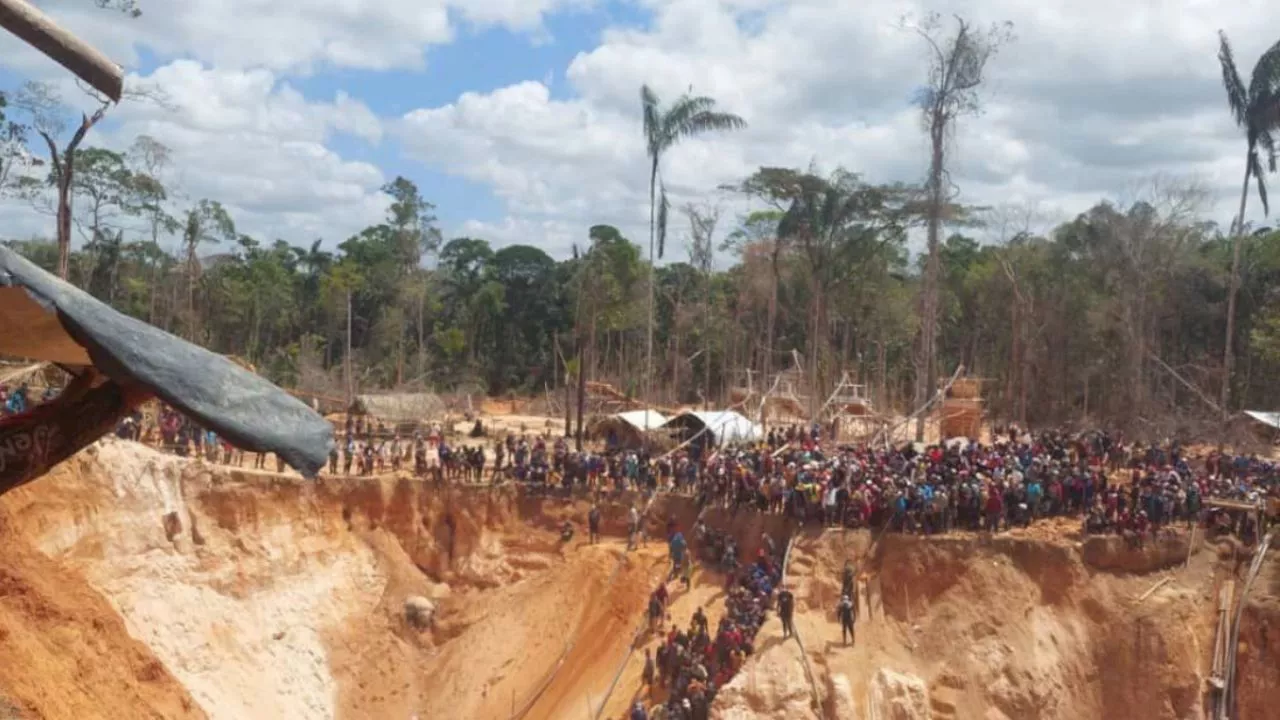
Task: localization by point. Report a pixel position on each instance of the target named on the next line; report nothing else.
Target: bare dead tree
(703, 219)
(47, 112)
(957, 64)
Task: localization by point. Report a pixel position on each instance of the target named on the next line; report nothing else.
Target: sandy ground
(1017, 627)
(136, 584)
(706, 591)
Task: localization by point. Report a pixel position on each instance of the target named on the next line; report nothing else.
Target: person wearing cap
(847, 618)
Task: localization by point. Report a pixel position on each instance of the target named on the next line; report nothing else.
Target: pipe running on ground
(1228, 707)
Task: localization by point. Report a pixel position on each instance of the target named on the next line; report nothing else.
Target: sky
(520, 119)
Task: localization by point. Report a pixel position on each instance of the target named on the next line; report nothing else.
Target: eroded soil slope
(135, 584)
(269, 596)
(1008, 628)
(65, 651)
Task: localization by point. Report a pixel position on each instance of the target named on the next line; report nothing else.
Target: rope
(804, 655)
(542, 689)
(940, 394)
(635, 640)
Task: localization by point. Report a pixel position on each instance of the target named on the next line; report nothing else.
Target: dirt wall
(157, 587)
(1018, 627)
(270, 596)
(66, 652)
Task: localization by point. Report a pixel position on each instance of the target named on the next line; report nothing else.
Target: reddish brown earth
(139, 585)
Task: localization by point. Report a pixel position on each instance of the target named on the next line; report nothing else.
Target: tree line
(1117, 315)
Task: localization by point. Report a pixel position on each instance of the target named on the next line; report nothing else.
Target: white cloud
(1092, 97)
(1077, 108)
(297, 36)
(254, 144)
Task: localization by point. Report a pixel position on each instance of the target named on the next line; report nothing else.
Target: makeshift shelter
(117, 363)
(626, 429)
(1264, 425)
(1270, 419)
(962, 409)
(400, 407)
(718, 427)
(404, 412)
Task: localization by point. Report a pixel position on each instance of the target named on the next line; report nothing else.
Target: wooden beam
(41, 32)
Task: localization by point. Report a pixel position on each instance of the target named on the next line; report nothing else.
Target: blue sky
(817, 80)
(478, 60)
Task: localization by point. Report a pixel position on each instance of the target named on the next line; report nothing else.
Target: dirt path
(707, 592)
(604, 638)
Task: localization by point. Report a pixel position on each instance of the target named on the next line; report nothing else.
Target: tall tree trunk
(422, 333)
(929, 319)
(64, 220)
(706, 345)
(568, 386)
(882, 369)
(191, 292)
(64, 167)
(675, 355)
(1011, 377)
(653, 277)
(400, 353)
(583, 348)
(347, 357)
(1228, 357)
(773, 317)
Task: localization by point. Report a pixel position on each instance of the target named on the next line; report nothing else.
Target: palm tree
(688, 116)
(1257, 111)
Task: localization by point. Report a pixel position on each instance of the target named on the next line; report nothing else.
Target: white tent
(642, 420)
(724, 426)
(627, 429)
(1266, 418)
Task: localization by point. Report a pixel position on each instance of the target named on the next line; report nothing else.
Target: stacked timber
(962, 410)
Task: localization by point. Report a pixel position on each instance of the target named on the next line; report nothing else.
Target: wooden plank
(1231, 504)
(1154, 588)
(40, 31)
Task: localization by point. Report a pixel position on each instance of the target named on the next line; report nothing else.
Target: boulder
(418, 611)
(840, 696)
(897, 696)
(771, 684)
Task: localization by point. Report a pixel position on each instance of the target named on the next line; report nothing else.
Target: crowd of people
(691, 664)
(15, 401)
(1131, 489)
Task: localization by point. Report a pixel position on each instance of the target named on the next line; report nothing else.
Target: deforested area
(674, 360)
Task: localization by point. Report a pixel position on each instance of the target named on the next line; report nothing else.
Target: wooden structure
(403, 413)
(39, 31)
(962, 409)
(631, 429)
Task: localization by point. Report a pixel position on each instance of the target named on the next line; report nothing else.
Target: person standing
(633, 526)
(676, 549)
(593, 524)
(647, 677)
(786, 611)
(847, 618)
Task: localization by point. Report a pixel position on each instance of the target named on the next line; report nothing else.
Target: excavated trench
(135, 584)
